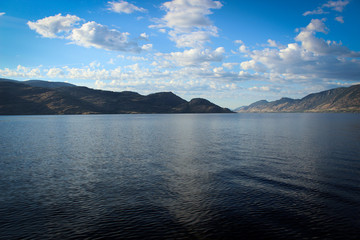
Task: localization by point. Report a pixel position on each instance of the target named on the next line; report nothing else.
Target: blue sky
(230, 52)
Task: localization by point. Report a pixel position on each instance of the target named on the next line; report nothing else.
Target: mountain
(335, 100)
(40, 97)
(40, 83)
(45, 84)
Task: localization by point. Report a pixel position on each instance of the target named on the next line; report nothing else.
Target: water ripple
(263, 176)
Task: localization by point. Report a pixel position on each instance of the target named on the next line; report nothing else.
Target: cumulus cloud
(193, 57)
(316, 25)
(229, 65)
(253, 65)
(273, 43)
(21, 72)
(188, 21)
(92, 34)
(243, 49)
(89, 34)
(318, 45)
(85, 73)
(194, 39)
(238, 42)
(147, 47)
(185, 15)
(54, 26)
(124, 7)
(308, 58)
(333, 5)
(55, 72)
(144, 36)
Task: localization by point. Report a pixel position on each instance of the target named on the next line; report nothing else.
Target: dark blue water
(212, 176)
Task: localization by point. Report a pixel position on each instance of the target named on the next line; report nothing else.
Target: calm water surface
(212, 176)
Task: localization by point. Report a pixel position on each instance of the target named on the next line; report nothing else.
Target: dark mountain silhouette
(41, 97)
(335, 100)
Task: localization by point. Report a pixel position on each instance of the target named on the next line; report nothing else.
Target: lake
(180, 176)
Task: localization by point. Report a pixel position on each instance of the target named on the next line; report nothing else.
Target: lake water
(191, 176)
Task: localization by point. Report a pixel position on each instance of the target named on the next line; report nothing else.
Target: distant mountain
(40, 97)
(40, 83)
(45, 84)
(334, 100)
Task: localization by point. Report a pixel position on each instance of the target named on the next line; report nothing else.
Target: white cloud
(100, 84)
(194, 39)
(340, 19)
(134, 67)
(243, 49)
(316, 25)
(229, 65)
(336, 5)
(333, 5)
(313, 58)
(54, 26)
(55, 72)
(144, 36)
(244, 76)
(260, 88)
(124, 7)
(136, 58)
(133, 58)
(272, 43)
(146, 47)
(21, 72)
(193, 57)
(86, 73)
(185, 15)
(92, 34)
(188, 21)
(2, 14)
(317, 11)
(253, 65)
(318, 45)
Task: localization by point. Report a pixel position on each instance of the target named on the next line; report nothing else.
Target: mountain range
(343, 99)
(42, 97)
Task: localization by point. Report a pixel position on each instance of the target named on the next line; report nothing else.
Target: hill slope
(19, 98)
(40, 83)
(334, 100)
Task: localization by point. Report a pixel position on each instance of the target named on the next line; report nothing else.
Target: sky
(231, 52)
